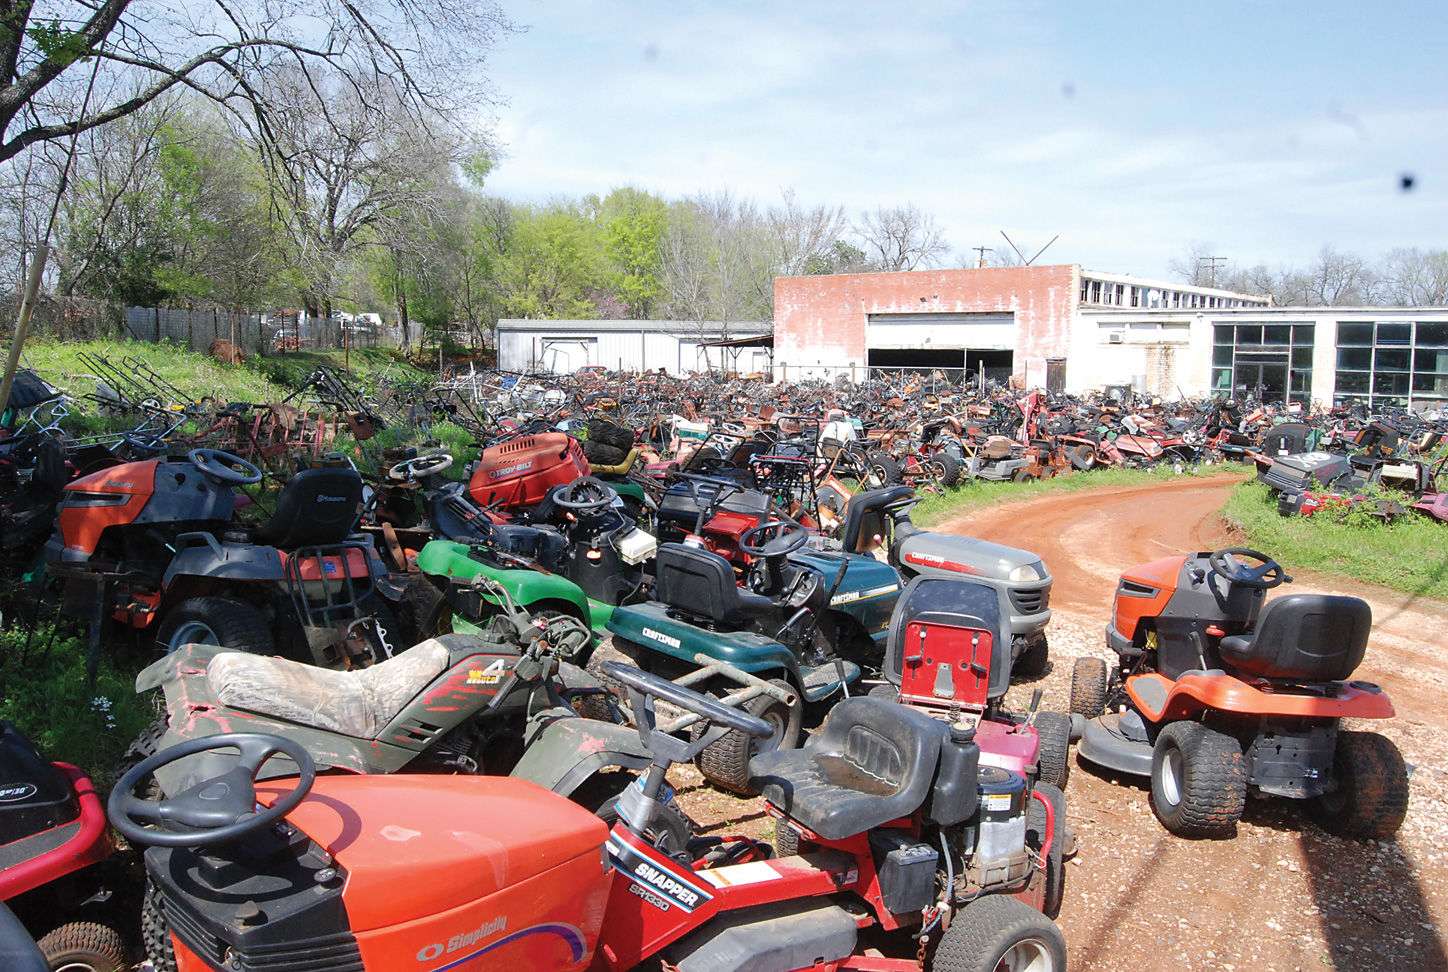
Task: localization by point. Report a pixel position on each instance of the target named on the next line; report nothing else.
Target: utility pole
(1213, 262)
(981, 250)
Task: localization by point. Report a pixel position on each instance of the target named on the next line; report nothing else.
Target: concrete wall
(821, 320)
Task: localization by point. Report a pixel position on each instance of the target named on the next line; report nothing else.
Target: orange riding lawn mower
(1217, 695)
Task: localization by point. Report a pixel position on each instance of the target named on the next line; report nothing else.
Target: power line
(1213, 262)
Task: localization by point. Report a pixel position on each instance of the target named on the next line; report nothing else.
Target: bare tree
(902, 238)
(803, 239)
(1338, 279)
(71, 65)
(715, 262)
(1416, 278)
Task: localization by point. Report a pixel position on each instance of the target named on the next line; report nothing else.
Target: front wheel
(944, 469)
(1000, 934)
(882, 470)
(1088, 687)
(725, 762)
(1053, 756)
(84, 946)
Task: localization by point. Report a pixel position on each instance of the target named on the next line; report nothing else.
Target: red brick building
(1011, 320)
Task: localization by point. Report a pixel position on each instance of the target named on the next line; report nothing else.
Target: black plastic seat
(317, 508)
(701, 583)
(871, 762)
(1303, 637)
(871, 501)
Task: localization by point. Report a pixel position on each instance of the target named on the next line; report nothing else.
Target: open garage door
(921, 342)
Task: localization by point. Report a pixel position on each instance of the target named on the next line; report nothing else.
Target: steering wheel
(420, 467)
(214, 811)
(1267, 574)
(147, 443)
(224, 467)
(646, 683)
(776, 538)
(585, 495)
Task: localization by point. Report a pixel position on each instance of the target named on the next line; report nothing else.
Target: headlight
(1028, 572)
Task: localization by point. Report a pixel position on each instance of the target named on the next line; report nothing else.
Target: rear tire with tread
(1198, 781)
(1055, 858)
(85, 946)
(1088, 687)
(1371, 794)
(882, 470)
(944, 469)
(725, 763)
(155, 932)
(226, 621)
(422, 612)
(1053, 758)
(992, 931)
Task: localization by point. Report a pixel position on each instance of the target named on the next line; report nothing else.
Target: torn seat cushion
(358, 703)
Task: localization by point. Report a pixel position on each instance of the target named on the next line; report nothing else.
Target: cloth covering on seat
(358, 703)
(872, 762)
(1303, 637)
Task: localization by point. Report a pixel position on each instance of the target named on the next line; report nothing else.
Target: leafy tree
(632, 223)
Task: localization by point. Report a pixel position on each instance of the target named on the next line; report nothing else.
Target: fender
(209, 558)
(443, 558)
(1159, 699)
(649, 625)
(562, 750)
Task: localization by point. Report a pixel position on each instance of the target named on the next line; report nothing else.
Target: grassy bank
(1409, 554)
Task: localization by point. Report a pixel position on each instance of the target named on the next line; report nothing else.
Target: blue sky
(1132, 129)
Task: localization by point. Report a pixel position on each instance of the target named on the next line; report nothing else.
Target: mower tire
(1053, 759)
(1370, 796)
(670, 831)
(215, 620)
(144, 746)
(615, 649)
(422, 613)
(1022, 476)
(1083, 457)
(725, 762)
(84, 946)
(1055, 858)
(1035, 661)
(944, 469)
(1198, 782)
(882, 470)
(786, 839)
(996, 932)
(155, 932)
(1088, 687)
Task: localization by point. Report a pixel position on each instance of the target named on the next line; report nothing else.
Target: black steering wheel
(1267, 574)
(420, 467)
(646, 683)
(146, 443)
(224, 467)
(585, 495)
(775, 538)
(214, 811)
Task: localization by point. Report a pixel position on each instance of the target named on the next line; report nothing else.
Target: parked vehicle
(1217, 695)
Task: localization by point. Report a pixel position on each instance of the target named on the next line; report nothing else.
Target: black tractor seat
(357, 703)
(1303, 638)
(701, 583)
(872, 762)
(317, 508)
(864, 516)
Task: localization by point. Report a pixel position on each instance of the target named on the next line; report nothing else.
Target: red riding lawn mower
(513, 476)
(910, 853)
(59, 872)
(153, 545)
(1217, 696)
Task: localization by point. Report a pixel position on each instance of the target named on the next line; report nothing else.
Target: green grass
(1409, 554)
(971, 494)
(43, 690)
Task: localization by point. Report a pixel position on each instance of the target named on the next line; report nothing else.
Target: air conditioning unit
(1114, 337)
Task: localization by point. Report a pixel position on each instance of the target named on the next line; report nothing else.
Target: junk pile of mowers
(469, 674)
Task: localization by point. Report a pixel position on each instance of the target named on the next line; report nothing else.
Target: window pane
(1302, 334)
(1355, 358)
(1278, 334)
(1222, 356)
(1222, 334)
(1221, 379)
(1392, 360)
(1431, 359)
(1301, 380)
(1434, 333)
(1302, 358)
(1249, 334)
(1432, 384)
(1352, 381)
(1390, 384)
(1354, 334)
(1395, 333)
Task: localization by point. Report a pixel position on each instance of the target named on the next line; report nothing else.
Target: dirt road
(1282, 894)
